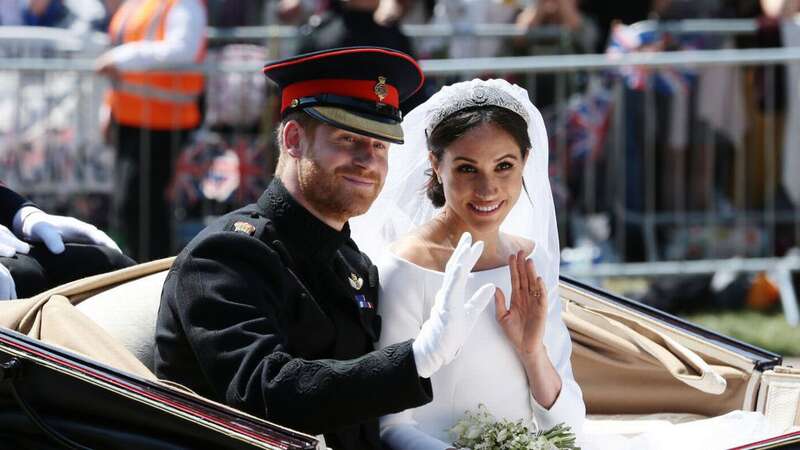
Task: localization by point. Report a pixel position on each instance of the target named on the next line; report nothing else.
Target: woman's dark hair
(458, 124)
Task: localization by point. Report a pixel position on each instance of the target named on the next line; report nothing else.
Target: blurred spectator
(11, 12)
(77, 15)
(578, 34)
(47, 13)
(606, 13)
(354, 23)
(419, 12)
(296, 12)
(150, 112)
(685, 9)
(722, 291)
(340, 23)
(110, 7)
(462, 15)
(235, 13)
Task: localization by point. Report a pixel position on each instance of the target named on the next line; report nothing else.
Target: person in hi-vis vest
(150, 109)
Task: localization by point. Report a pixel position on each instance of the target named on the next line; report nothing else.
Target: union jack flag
(212, 169)
(587, 119)
(363, 303)
(222, 178)
(671, 80)
(190, 169)
(625, 39)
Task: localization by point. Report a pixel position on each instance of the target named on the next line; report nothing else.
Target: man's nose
(365, 154)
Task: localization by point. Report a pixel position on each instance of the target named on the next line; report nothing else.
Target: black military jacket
(10, 203)
(273, 312)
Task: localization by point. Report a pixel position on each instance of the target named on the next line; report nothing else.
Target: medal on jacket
(355, 281)
(244, 227)
(363, 303)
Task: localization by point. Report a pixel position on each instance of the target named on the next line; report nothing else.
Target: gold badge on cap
(244, 227)
(355, 281)
(380, 88)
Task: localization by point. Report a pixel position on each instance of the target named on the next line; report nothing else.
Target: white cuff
(559, 412)
(20, 216)
(423, 359)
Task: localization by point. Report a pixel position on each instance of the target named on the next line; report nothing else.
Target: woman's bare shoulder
(418, 250)
(517, 243)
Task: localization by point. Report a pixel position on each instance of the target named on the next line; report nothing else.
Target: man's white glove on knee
(453, 314)
(8, 290)
(36, 225)
(10, 245)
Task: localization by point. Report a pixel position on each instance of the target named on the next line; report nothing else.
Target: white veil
(402, 204)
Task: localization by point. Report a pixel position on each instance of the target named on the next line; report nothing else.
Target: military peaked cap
(358, 89)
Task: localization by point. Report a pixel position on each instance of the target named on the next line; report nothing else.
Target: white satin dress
(486, 370)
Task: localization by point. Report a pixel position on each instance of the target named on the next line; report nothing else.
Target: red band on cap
(361, 89)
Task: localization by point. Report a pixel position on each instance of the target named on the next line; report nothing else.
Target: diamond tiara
(457, 98)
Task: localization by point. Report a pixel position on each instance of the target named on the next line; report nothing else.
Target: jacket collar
(306, 236)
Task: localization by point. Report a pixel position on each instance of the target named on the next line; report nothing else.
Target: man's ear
(294, 139)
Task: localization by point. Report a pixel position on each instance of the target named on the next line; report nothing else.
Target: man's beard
(333, 197)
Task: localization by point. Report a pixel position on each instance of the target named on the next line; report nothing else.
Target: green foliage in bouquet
(479, 430)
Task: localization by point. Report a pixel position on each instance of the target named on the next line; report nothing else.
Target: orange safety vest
(155, 100)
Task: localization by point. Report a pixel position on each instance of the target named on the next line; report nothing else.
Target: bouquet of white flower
(479, 430)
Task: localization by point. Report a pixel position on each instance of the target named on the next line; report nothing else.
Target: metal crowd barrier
(696, 207)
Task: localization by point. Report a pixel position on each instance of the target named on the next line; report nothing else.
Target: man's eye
(466, 168)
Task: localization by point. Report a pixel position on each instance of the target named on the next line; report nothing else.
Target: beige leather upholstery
(625, 366)
(128, 312)
(52, 318)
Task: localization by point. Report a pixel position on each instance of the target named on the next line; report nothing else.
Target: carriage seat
(128, 312)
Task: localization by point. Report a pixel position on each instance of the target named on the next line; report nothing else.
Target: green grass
(766, 330)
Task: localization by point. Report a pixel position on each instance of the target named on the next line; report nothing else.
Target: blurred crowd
(704, 129)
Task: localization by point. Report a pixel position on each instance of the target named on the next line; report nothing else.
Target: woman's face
(481, 173)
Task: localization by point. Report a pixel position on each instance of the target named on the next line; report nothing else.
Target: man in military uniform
(272, 308)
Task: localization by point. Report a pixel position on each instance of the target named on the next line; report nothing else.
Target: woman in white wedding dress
(488, 177)
(475, 160)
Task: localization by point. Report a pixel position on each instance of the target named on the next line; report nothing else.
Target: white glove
(34, 224)
(452, 316)
(8, 290)
(10, 245)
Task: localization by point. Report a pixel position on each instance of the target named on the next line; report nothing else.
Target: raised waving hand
(454, 311)
(524, 321)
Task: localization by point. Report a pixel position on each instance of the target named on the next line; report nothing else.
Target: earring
(438, 179)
